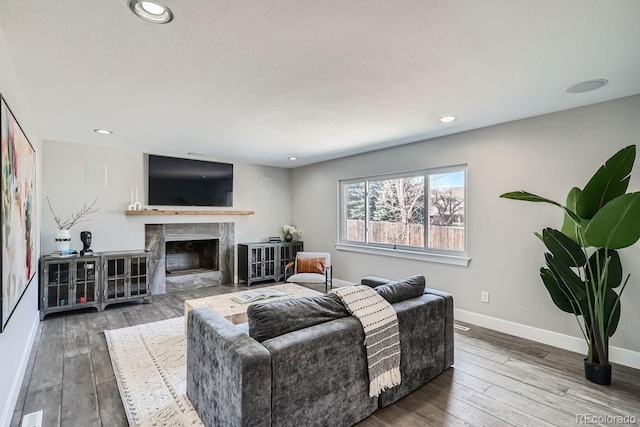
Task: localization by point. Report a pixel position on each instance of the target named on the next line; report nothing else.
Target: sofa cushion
(373, 281)
(310, 265)
(271, 319)
(394, 292)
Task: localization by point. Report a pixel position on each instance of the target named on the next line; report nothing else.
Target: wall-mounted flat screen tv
(186, 182)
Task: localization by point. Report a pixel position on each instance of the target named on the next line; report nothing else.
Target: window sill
(399, 253)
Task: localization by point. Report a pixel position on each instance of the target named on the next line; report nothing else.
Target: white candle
(136, 194)
(132, 196)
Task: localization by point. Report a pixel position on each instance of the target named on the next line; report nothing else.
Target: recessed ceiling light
(193, 153)
(293, 158)
(103, 131)
(151, 10)
(447, 119)
(587, 86)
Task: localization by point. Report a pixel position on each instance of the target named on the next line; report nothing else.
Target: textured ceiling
(258, 81)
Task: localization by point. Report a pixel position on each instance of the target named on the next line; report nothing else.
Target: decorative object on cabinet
(76, 217)
(18, 209)
(75, 282)
(85, 238)
(261, 261)
(63, 234)
(289, 231)
(63, 240)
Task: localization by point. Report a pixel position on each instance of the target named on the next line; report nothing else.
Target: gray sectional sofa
(302, 362)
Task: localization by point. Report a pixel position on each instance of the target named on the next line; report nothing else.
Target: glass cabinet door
(269, 261)
(58, 284)
(115, 278)
(85, 286)
(257, 266)
(138, 276)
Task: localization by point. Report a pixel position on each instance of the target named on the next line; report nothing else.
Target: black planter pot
(599, 374)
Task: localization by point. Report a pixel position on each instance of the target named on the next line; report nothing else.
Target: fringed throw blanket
(381, 335)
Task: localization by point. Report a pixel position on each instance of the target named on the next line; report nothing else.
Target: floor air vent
(462, 328)
(33, 419)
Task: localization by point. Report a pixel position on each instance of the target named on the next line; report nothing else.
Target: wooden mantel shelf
(186, 212)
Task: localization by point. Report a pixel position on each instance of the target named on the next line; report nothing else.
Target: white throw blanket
(381, 335)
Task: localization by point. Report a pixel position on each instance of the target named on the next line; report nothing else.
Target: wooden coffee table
(236, 312)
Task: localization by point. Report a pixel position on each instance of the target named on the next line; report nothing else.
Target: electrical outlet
(484, 297)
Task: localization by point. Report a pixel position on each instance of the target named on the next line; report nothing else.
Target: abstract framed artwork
(17, 211)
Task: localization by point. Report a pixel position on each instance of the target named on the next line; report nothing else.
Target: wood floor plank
(509, 341)
(462, 378)
(591, 398)
(96, 322)
(488, 343)
(452, 404)
(428, 411)
(394, 415)
(508, 383)
(151, 312)
(133, 313)
(100, 359)
(111, 410)
(482, 402)
(167, 310)
(115, 318)
(545, 412)
(47, 368)
(541, 379)
(76, 337)
(79, 396)
(199, 292)
(47, 400)
(481, 352)
(578, 383)
(176, 303)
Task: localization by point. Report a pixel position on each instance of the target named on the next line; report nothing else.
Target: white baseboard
(7, 413)
(616, 354)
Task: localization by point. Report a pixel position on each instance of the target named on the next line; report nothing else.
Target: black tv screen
(188, 182)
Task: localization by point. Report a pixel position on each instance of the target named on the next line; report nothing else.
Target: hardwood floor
(497, 380)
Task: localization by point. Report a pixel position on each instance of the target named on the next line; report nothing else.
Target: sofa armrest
(448, 323)
(228, 372)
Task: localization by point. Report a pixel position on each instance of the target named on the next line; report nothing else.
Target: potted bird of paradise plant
(583, 268)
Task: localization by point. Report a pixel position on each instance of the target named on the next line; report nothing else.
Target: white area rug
(150, 365)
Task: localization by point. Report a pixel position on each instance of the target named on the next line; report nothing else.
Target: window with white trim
(418, 211)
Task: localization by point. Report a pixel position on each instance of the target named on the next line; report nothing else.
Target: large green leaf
(568, 281)
(609, 304)
(617, 224)
(560, 299)
(614, 269)
(609, 182)
(569, 225)
(530, 197)
(563, 248)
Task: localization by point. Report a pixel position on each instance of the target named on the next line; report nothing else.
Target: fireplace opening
(191, 256)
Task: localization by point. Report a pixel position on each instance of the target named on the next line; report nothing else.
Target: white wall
(65, 185)
(16, 340)
(546, 155)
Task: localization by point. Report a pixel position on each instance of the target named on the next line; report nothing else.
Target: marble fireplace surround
(156, 236)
